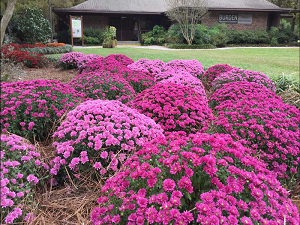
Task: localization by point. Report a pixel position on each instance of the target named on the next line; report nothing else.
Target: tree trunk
(6, 18)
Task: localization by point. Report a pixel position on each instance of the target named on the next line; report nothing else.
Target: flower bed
(100, 134)
(31, 108)
(203, 179)
(193, 67)
(19, 174)
(102, 85)
(242, 90)
(32, 60)
(122, 59)
(213, 72)
(237, 74)
(271, 130)
(149, 66)
(174, 107)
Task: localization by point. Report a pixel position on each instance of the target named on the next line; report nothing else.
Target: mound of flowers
(69, 60)
(175, 107)
(155, 66)
(100, 134)
(170, 73)
(202, 178)
(19, 165)
(187, 80)
(138, 80)
(30, 108)
(270, 129)
(238, 90)
(213, 72)
(193, 67)
(103, 85)
(122, 59)
(104, 64)
(83, 60)
(32, 60)
(237, 74)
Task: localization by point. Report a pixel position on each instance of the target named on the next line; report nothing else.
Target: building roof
(160, 6)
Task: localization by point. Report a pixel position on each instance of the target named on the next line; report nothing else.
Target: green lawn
(272, 62)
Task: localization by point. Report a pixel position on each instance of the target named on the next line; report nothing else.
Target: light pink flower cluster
(213, 72)
(155, 66)
(270, 128)
(242, 90)
(30, 108)
(175, 107)
(99, 134)
(102, 85)
(69, 60)
(193, 67)
(237, 74)
(19, 162)
(83, 60)
(202, 178)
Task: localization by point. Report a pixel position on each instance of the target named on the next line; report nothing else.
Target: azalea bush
(31, 108)
(201, 178)
(237, 74)
(103, 85)
(70, 60)
(193, 67)
(99, 135)
(214, 71)
(155, 66)
(122, 59)
(20, 167)
(270, 129)
(242, 90)
(175, 107)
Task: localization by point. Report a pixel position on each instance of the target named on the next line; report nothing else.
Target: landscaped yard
(272, 61)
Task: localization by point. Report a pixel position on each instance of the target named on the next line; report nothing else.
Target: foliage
(32, 60)
(20, 164)
(285, 33)
(9, 68)
(100, 135)
(91, 40)
(218, 35)
(174, 35)
(64, 36)
(31, 108)
(202, 178)
(248, 37)
(109, 36)
(155, 37)
(93, 36)
(49, 50)
(283, 83)
(185, 46)
(32, 26)
(175, 107)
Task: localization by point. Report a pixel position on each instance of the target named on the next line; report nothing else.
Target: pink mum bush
(193, 67)
(30, 108)
(102, 85)
(242, 90)
(270, 129)
(122, 59)
(237, 74)
(169, 74)
(202, 178)
(100, 134)
(189, 81)
(82, 61)
(213, 72)
(155, 66)
(174, 107)
(18, 176)
(70, 60)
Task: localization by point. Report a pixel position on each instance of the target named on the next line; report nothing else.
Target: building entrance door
(125, 27)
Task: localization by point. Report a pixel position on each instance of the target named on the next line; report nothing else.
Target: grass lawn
(272, 62)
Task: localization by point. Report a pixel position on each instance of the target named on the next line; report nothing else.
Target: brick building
(133, 17)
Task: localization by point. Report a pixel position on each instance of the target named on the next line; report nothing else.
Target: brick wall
(259, 20)
(96, 21)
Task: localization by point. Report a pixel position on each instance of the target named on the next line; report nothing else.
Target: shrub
(32, 60)
(99, 135)
(32, 26)
(174, 35)
(242, 90)
(175, 107)
(92, 40)
(155, 66)
(122, 59)
(270, 129)
(64, 35)
(103, 85)
(185, 46)
(202, 36)
(193, 67)
(31, 108)
(69, 60)
(155, 37)
(218, 36)
(49, 50)
(285, 33)
(212, 72)
(248, 37)
(20, 165)
(203, 179)
(237, 74)
(94, 33)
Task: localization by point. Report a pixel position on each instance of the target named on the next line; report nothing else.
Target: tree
(6, 18)
(188, 13)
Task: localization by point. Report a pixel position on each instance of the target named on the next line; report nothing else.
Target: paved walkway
(156, 47)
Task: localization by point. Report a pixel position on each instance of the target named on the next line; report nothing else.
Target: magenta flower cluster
(69, 60)
(83, 60)
(99, 134)
(122, 59)
(155, 66)
(193, 67)
(30, 108)
(237, 74)
(18, 176)
(213, 72)
(175, 107)
(202, 178)
(102, 85)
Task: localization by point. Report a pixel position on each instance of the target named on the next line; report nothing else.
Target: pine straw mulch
(290, 97)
